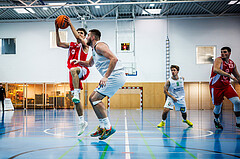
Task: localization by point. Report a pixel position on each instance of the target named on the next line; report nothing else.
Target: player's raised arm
(77, 36)
(58, 40)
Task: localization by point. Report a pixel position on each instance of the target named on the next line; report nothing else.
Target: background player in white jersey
(174, 89)
(113, 78)
(77, 50)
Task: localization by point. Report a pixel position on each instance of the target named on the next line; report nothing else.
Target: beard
(89, 42)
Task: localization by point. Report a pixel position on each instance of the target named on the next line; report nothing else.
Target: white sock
(81, 119)
(101, 124)
(76, 93)
(164, 121)
(106, 122)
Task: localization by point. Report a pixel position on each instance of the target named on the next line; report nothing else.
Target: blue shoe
(107, 133)
(75, 100)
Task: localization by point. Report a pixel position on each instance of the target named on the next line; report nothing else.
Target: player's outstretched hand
(67, 20)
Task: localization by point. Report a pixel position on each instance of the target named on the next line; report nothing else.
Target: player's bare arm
(166, 86)
(88, 63)
(58, 40)
(236, 74)
(216, 69)
(77, 36)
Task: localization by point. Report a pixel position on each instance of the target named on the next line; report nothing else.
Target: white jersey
(102, 63)
(176, 88)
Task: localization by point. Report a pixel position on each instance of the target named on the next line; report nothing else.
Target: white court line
(127, 149)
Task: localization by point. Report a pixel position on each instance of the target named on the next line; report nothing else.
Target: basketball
(60, 21)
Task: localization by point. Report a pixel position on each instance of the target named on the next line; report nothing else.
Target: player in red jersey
(223, 70)
(79, 51)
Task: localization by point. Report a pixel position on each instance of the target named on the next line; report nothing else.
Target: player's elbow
(115, 60)
(215, 70)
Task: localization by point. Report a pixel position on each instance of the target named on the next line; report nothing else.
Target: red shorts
(80, 80)
(217, 93)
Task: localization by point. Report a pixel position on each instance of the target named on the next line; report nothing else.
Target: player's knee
(236, 103)
(217, 109)
(93, 101)
(74, 71)
(183, 110)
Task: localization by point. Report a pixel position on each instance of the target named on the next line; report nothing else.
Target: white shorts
(179, 105)
(83, 72)
(113, 83)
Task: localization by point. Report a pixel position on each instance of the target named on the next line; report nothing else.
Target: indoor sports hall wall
(35, 61)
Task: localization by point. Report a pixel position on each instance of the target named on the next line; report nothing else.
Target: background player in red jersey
(79, 51)
(220, 85)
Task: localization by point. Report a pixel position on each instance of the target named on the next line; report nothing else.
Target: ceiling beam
(145, 11)
(88, 13)
(3, 11)
(207, 10)
(233, 5)
(108, 12)
(107, 4)
(167, 10)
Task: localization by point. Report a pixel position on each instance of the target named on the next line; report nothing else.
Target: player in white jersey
(113, 78)
(174, 89)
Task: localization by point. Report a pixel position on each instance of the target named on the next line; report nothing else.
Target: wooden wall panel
(197, 95)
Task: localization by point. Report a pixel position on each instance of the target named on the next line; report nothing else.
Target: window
(205, 54)
(63, 37)
(8, 45)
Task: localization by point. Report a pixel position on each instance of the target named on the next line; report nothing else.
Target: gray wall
(35, 61)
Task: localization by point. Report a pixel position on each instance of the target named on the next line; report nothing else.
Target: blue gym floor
(51, 134)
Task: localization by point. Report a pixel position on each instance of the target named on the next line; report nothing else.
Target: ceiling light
(152, 5)
(22, 10)
(59, 5)
(238, 2)
(232, 2)
(97, 7)
(152, 11)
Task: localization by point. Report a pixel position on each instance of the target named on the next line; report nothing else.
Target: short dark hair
(226, 48)
(82, 29)
(96, 33)
(175, 66)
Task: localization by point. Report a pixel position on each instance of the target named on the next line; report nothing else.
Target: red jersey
(218, 80)
(76, 52)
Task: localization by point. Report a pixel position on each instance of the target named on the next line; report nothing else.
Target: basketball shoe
(82, 127)
(107, 133)
(218, 124)
(162, 124)
(97, 133)
(188, 122)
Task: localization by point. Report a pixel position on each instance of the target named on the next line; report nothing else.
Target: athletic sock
(106, 122)
(76, 93)
(101, 124)
(81, 119)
